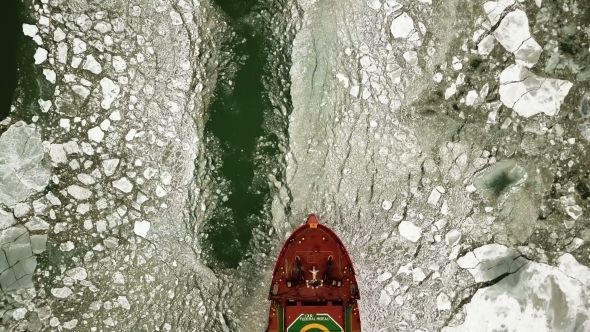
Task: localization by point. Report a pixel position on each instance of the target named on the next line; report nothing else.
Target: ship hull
(314, 287)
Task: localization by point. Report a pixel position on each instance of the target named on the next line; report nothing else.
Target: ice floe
(92, 65)
(141, 228)
(30, 30)
(491, 261)
(494, 9)
(409, 231)
(529, 94)
(78, 192)
(95, 134)
(403, 27)
(110, 91)
(123, 184)
(40, 55)
(514, 34)
(21, 154)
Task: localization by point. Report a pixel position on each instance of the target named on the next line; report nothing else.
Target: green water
(10, 35)
(241, 145)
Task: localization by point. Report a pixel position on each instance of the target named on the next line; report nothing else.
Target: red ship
(314, 287)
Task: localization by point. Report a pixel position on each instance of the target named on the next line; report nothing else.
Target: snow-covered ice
(409, 231)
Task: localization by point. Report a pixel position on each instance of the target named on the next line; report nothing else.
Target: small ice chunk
(438, 77)
(81, 91)
(386, 205)
(176, 18)
(385, 276)
(78, 192)
(57, 153)
(49, 75)
(30, 30)
(61, 293)
(166, 178)
(411, 57)
(123, 184)
(130, 134)
(58, 35)
(574, 211)
(105, 124)
(141, 228)
(115, 116)
(21, 209)
(86, 178)
(457, 65)
(79, 46)
(409, 231)
(494, 9)
(434, 197)
(95, 134)
(471, 97)
(40, 55)
(529, 94)
(374, 4)
(92, 65)
(486, 45)
(110, 91)
(453, 237)
(45, 105)
(77, 273)
(103, 27)
(450, 91)
(109, 166)
(403, 27)
(443, 302)
(44, 20)
(160, 192)
(38, 243)
(119, 64)
(418, 275)
(62, 53)
(384, 298)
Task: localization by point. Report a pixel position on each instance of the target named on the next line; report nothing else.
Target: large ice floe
(529, 94)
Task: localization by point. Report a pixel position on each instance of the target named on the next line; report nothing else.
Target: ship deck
(314, 285)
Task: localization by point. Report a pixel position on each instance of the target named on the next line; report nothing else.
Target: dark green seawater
(237, 126)
(10, 36)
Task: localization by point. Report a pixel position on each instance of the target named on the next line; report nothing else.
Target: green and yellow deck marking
(314, 323)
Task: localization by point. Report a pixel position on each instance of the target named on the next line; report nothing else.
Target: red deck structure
(314, 288)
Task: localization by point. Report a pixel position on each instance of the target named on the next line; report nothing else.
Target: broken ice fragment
(92, 65)
(6, 220)
(30, 30)
(110, 91)
(574, 211)
(443, 302)
(61, 293)
(384, 298)
(77, 273)
(383, 277)
(109, 166)
(418, 275)
(141, 228)
(119, 64)
(491, 261)
(123, 184)
(160, 192)
(58, 35)
(21, 152)
(486, 45)
(452, 238)
(513, 33)
(529, 94)
(494, 9)
(386, 205)
(79, 46)
(435, 196)
(40, 56)
(409, 231)
(403, 27)
(78, 192)
(95, 134)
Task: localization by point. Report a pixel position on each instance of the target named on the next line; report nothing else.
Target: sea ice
(529, 94)
(40, 56)
(123, 184)
(409, 231)
(141, 228)
(92, 65)
(514, 34)
(110, 91)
